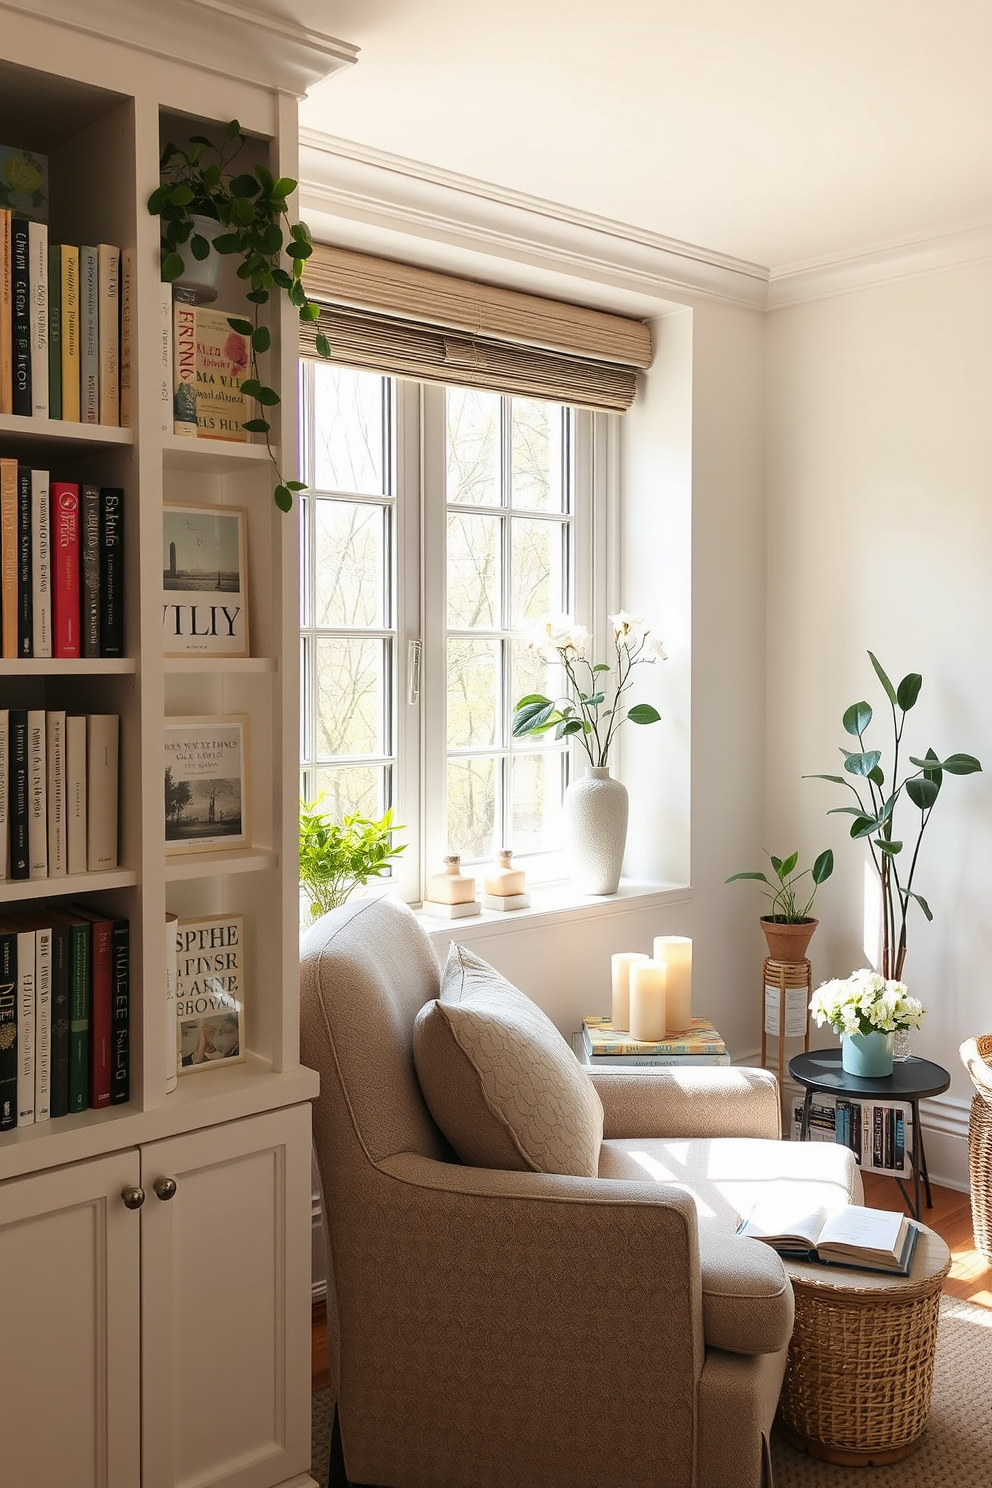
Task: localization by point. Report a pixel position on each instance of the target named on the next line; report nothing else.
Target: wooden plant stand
(786, 976)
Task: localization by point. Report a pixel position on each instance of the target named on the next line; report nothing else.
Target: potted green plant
(878, 800)
(206, 207)
(336, 858)
(789, 927)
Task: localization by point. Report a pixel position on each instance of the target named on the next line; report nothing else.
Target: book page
(865, 1231)
(774, 1221)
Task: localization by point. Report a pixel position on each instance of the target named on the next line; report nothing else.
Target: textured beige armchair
(504, 1326)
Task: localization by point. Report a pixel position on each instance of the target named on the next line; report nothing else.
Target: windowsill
(554, 904)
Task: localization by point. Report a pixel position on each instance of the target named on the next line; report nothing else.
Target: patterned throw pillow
(500, 1081)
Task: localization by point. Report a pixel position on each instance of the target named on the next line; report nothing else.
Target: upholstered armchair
(535, 1276)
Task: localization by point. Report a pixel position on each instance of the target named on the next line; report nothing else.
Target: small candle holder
(451, 894)
(504, 887)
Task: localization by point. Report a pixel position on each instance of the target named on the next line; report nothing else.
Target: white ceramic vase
(202, 275)
(596, 831)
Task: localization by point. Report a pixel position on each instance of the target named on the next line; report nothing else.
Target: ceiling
(781, 132)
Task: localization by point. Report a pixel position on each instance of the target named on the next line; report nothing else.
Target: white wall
(880, 538)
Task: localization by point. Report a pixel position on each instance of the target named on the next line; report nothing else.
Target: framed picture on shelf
(210, 992)
(204, 581)
(206, 784)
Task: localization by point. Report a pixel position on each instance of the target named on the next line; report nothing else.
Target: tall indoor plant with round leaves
(251, 208)
(880, 798)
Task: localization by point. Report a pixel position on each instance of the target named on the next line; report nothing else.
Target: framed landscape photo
(204, 581)
(206, 784)
(210, 992)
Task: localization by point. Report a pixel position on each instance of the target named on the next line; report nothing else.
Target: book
(79, 1011)
(89, 570)
(111, 571)
(38, 314)
(24, 954)
(25, 576)
(41, 565)
(127, 291)
(89, 335)
(164, 358)
(75, 793)
(877, 1133)
(8, 1030)
(102, 746)
(6, 314)
(856, 1237)
(120, 1058)
(101, 1005)
(21, 316)
(204, 580)
(184, 362)
(4, 788)
(210, 991)
(172, 1050)
(8, 558)
(24, 182)
(223, 356)
(69, 279)
(601, 1040)
(61, 959)
(54, 331)
(109, 332)
(55, 755)
(37, 794)
(651, 1061)
(17, 802)
(64, 503)
(43, 1023)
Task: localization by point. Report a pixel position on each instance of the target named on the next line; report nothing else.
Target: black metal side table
(911, 1081)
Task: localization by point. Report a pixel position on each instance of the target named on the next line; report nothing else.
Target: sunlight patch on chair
(662, 1173)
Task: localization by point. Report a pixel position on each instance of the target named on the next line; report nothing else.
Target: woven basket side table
(860, 1369)
(976, 1054)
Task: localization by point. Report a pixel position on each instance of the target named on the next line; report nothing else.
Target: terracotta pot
(787, 939)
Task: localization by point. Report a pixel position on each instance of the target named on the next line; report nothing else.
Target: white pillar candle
(647, 1000)
(620, 965)
(676, 952)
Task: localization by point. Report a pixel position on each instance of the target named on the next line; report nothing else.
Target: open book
(863, 1239)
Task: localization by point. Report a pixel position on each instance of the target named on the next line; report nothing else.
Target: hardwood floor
(970, 1276)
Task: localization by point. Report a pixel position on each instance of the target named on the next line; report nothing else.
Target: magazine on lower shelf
(879, 1133)
(856, 1237)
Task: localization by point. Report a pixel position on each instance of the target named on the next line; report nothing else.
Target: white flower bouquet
(865, 1002)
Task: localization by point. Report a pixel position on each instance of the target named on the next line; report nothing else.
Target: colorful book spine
(101, 1009)
(25, 1027)
(69, 257)
(79, 1014)
(120, 1060)
(54, 331)
(6, 314)
(4, 789)
(8, 1029)
(43, 1023)
(37, 794)
(38, 265)
(21, 316)
(89, 335)
(55, 755)
(61, 959)
(111, 571)
(654, 1061)
(8, 558)
(65, 568)
(25, 576)
(41, 564)
(184, 363)
(17, 806)
(127, 292)
(109, 332)
(89, 568)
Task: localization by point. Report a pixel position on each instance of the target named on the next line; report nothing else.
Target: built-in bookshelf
(226, 1153)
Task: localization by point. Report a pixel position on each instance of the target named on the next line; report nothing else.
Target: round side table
(860, 1368)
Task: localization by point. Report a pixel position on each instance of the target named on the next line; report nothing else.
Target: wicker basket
(976, 1054)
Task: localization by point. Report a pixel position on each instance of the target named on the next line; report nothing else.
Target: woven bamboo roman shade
(395, 318)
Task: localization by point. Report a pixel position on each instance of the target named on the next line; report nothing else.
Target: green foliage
(336, 859)
(785, 905)
(253, 206)
(873, 816)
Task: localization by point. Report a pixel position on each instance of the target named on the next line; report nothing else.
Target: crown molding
(251, 45)
(886, 263)
(374, 191)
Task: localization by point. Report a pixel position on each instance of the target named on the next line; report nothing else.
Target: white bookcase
(166, 1343)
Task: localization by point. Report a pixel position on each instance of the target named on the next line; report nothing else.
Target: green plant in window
(199, 182)
(336, 858)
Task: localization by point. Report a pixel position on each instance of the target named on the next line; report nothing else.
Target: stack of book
(58, 793)
(605, 1047)
(61, 566)
(64, 312)
(64, 1012)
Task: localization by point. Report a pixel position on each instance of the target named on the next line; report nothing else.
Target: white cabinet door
(226, 1305)
(69, 1327)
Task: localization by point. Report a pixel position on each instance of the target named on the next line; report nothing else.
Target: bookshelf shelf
(210, 865)
(194, 665)
(212, 456)
(28, 435)
(14, 890)
(106, 666)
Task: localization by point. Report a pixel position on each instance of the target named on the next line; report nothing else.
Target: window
(439, 525)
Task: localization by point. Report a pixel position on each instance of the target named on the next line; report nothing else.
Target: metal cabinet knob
(165, 1188)
(133, 1197)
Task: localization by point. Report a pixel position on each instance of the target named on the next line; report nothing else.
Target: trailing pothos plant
(252, 206)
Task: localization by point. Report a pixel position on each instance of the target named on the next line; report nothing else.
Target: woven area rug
(956, 1450)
